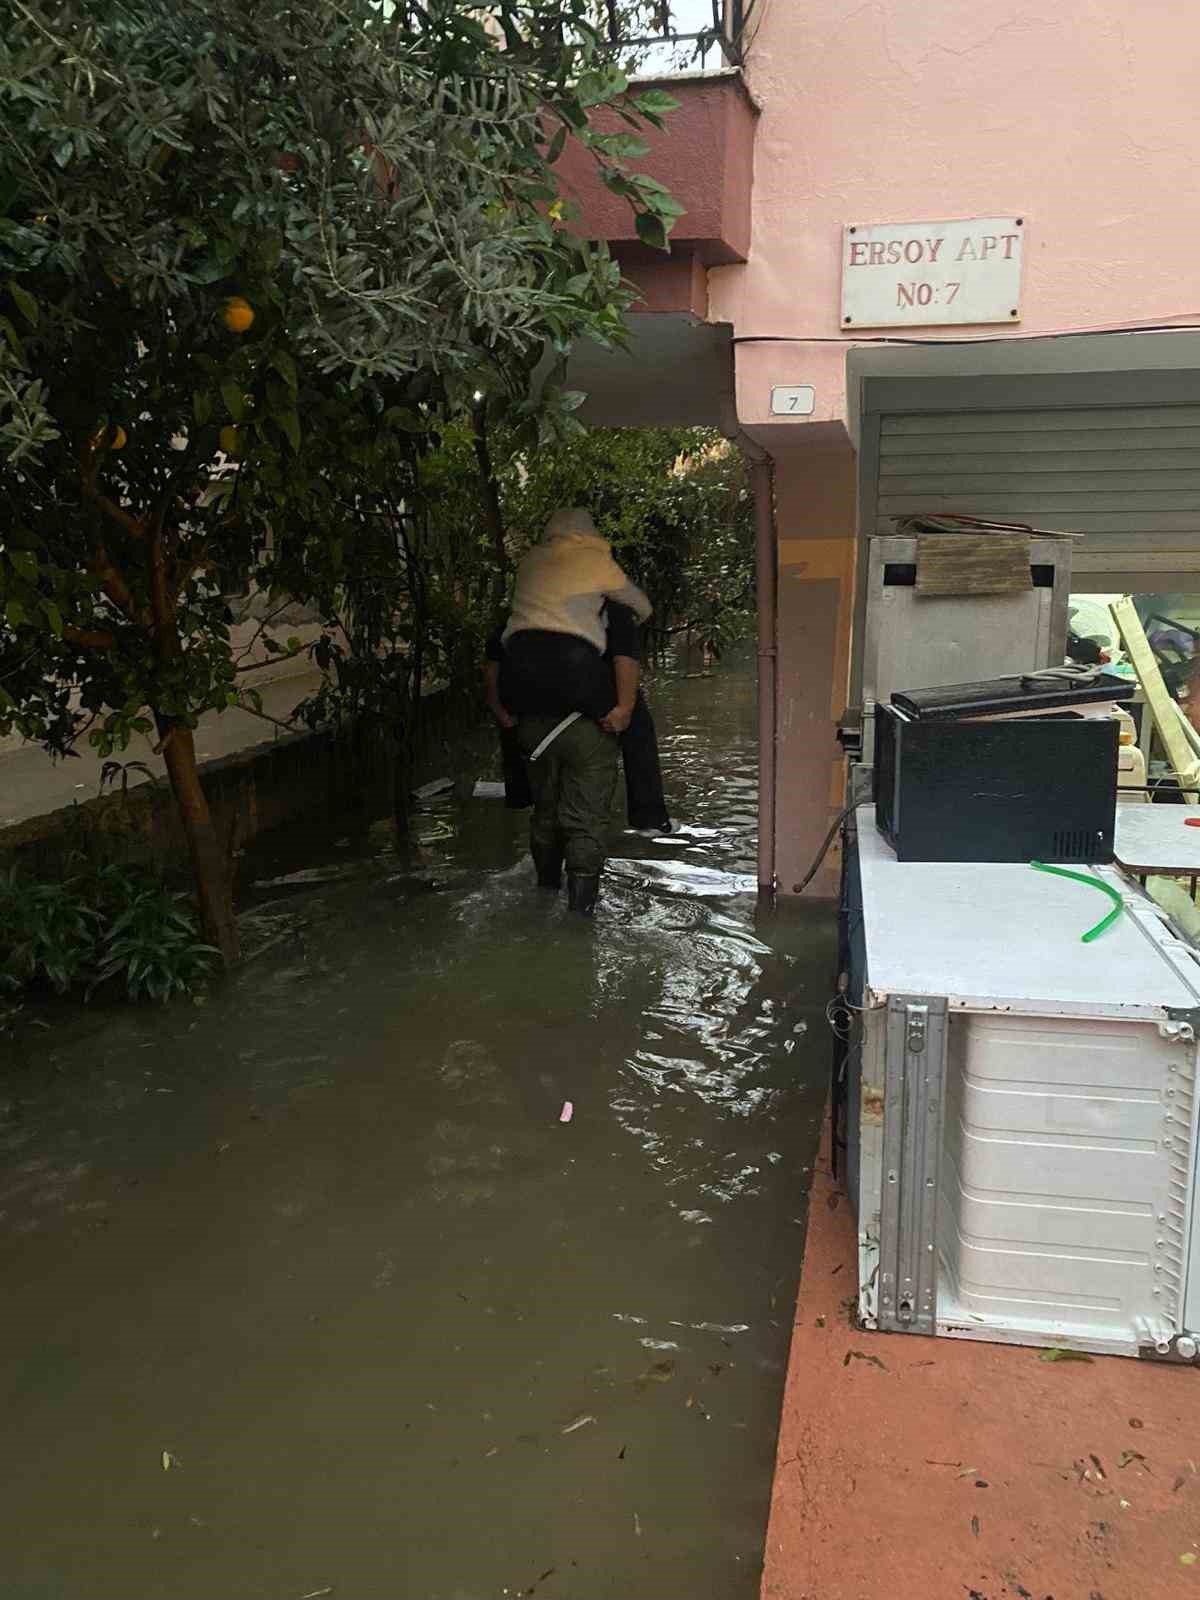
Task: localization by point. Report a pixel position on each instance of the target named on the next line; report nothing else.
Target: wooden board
(969, 564)
(1182, 757)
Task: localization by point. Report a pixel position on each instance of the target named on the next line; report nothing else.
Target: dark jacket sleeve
(624, 632)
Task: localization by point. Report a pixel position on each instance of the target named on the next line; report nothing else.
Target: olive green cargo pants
(573, 783)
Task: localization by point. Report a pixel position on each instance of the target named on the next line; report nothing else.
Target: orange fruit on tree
(111, 437)
(238, 314)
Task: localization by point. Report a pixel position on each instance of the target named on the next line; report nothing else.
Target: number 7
(951, 290)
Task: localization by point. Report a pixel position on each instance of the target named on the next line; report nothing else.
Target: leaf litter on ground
(1057, 1353)
(659, 1372)
(862, 1355)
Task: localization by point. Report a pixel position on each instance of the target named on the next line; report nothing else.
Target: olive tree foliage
(292, 238)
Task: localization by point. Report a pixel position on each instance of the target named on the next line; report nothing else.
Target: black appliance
(1008, 770)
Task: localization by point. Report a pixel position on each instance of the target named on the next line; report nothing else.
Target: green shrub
(102, 925)
(47, 930)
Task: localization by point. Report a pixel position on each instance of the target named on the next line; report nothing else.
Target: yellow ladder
(1185, 764)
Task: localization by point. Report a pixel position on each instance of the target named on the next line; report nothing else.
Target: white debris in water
(625, 1316)
(580, 1422)
(438, 786)
(714, 1327)
(659, 1344)
(308, 875)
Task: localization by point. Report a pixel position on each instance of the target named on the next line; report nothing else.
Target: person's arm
(624, 634)
(625, 592)
(491, 684)
(628, 674)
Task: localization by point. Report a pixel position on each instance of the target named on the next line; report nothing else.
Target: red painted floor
(928, 1469)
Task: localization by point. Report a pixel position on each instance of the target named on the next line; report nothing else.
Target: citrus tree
(274, 239)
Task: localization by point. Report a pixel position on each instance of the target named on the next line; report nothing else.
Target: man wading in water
(568, 701)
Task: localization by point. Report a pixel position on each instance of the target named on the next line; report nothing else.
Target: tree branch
(89, 638)
(270, 661)
(111, 581)
(132, 525)
(255, 711)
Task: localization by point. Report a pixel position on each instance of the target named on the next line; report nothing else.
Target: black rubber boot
(549, 864)
(582, 890)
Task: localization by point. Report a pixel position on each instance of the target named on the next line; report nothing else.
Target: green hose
(1114, 895)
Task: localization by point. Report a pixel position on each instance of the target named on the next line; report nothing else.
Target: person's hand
(504, 717)
(617, 720)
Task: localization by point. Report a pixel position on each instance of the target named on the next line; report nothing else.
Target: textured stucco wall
(814, 516)
(1080, 116)
(705, 158)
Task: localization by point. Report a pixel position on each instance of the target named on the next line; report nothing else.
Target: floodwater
(308, 1291)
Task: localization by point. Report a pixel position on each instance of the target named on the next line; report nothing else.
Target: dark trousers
(573, 783)
(645, 803)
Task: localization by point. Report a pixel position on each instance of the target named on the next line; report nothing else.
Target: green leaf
(651, 230)
(1060, 1354)
(53, 617)
(556, 146)
(286, 368)
(26, 304)
(655, 103)
(289, 424)
(234, 399)
(617, 182)
(13, 338)
(573, 115)
(623, 146)
(24, 564)
(202, 406)
(16, 613)
(406, 419)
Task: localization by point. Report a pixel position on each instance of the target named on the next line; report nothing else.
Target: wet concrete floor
(309, 1292)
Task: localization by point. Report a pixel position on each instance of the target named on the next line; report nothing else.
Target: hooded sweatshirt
(563, 583)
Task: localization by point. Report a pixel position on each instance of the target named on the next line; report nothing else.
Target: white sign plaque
(925, 274)
(793, 400)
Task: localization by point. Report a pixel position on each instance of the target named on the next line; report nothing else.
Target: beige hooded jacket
(563, 582)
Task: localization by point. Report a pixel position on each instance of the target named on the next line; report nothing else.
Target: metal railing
(683, 35)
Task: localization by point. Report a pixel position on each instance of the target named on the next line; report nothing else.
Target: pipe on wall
(762, 477)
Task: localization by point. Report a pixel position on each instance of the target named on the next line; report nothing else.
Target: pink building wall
(1080, 116)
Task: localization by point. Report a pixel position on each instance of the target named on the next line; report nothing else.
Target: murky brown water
(324, 1242)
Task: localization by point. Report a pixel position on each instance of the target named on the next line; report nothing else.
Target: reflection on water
(326, 1241)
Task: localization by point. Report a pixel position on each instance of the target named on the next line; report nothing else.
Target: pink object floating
(567, 1112)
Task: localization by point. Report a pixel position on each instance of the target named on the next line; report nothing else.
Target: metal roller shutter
(1127, 477)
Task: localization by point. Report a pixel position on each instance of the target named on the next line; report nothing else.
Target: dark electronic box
(1016, 769)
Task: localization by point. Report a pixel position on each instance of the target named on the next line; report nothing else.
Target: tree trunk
(214, 890)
